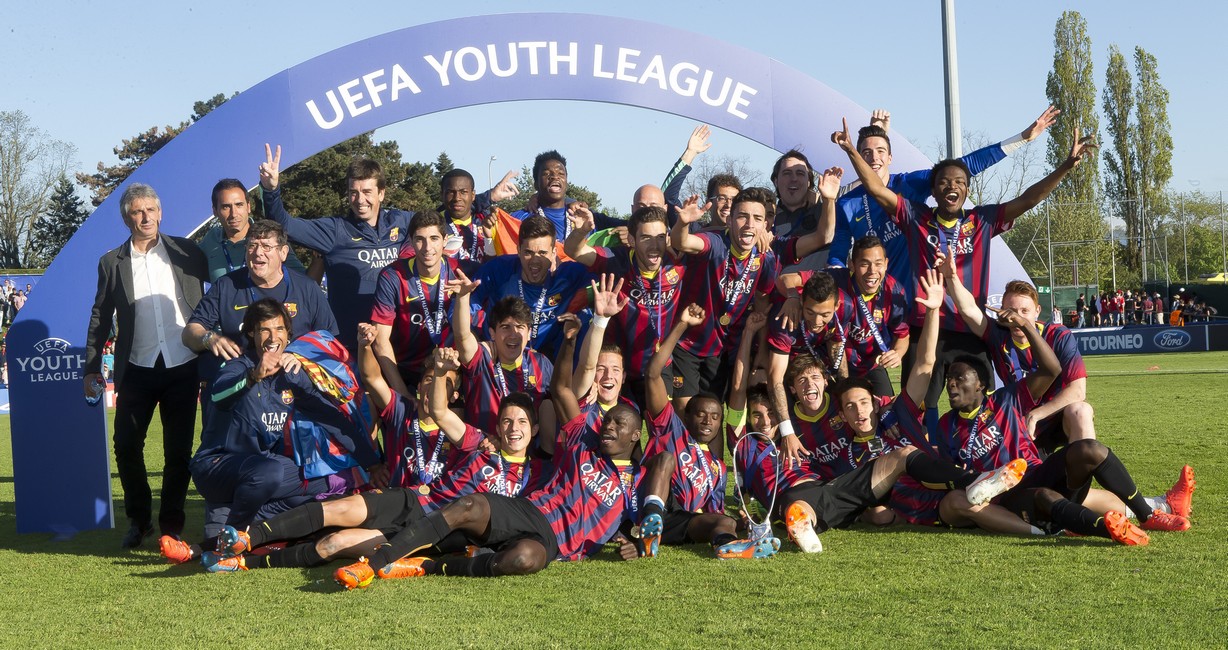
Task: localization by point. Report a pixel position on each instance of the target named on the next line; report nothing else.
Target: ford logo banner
(1172, 339)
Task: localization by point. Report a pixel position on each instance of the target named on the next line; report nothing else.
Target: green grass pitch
(892, 588)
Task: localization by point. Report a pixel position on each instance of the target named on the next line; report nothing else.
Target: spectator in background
(1159, 309)
(1149, 307)
(1081, 311)
(1056, 316)
(108, 361)
(18, 302)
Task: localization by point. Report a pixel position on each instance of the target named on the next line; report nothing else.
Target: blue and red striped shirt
(652, 304)
(589, 495)
(482, 471)
(418, 311)
(968, 239)
(1014, 362)
(991, 436)
(698, 483)
(725, 287)
(487, 382)
(417, 455)
(887, 312)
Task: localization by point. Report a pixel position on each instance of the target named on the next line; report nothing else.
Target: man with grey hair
(148, 285)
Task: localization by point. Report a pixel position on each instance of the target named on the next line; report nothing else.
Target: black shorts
(839, 502)
(676, 523)
(514, 519)
(694, 375)
(1050, 475)
(635, 388)
(392, 511)
(1050, 434)
(880, 381)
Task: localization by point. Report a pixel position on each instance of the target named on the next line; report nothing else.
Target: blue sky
(91, 75)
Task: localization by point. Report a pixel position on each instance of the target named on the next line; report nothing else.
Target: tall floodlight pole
(951, 75)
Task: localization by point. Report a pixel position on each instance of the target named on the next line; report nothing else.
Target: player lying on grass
(1061, 415)
(592, 491)
(812, 505)
(371, 519)
(982, 431)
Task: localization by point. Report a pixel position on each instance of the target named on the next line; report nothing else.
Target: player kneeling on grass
(243, 469)
(811, 506)
(371, 519)
(984, 431)
(593, 490)
(696, 510)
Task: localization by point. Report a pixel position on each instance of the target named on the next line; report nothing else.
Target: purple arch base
(60, 450)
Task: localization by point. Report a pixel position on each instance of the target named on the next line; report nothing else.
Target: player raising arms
(417, 448)
(580, 509)
(505, 364)
(813, 505)
(599, 381)
(983, 430)
(651, 276)
(949, 229)
(726, 273)
(370, 519)
(695, 512)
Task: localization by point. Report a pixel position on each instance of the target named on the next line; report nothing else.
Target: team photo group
(480, 392)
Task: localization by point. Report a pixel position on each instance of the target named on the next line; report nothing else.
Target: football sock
(481, 566)
(1077, 519)
(299, 555)
(927, 469)
(295, 524)
(653, 504)
(723, 539)
(420, 535)
(1113, 476)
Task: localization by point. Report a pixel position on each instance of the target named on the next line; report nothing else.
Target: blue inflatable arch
(60, 446)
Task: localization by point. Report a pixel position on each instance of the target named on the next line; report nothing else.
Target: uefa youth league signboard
(358, 88)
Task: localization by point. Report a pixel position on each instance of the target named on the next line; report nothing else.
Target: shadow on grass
(100, 542)
(1017, 540)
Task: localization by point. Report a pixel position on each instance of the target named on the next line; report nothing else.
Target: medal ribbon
(870, 322)
(425, 477)
(434, 323)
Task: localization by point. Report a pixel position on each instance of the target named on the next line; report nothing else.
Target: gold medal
(635, 532)
(725, 320)
(424, 490)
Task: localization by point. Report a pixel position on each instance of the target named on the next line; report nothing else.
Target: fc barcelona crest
(287, 396)
(292, 307)
(394, 234)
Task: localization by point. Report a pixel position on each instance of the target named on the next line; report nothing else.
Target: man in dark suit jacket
(149, 285)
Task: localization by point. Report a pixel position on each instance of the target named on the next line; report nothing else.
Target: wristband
(601, 321)
(1012, 144)
(786, 428)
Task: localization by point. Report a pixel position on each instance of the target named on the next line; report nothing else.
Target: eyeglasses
(252, 246)
(722, 199)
